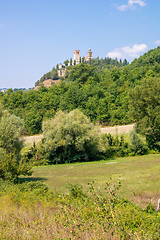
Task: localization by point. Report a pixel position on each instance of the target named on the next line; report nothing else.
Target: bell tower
(77, 56)
(89, 54)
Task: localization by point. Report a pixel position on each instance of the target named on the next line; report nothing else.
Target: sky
(36, 35)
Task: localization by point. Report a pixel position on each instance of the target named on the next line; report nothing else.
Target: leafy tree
(37, 83)
(54, 74)
(125, 62)
(10, 129)
(11, 164)
(33, 121)
(48, 75)
(137, 144)
(145, 110)
(70, 137)
(66, 62)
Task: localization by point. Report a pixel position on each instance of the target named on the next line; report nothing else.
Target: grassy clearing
(139, 176)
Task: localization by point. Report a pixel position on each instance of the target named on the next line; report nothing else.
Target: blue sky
(35, 35)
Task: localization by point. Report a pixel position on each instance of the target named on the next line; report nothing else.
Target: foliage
(34, 154)
(151, 58)
(11, 164)
(82, 72)
(145, 109)
(114, 146)
(137, 144)
(31, 210)
(33, 121)
(11, 128)
(50, 75)
(70, 137)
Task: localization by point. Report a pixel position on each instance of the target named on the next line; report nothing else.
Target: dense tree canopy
(82, 72)
(145, 110)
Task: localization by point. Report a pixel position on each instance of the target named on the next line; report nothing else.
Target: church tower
(89, 54)
(77, 56)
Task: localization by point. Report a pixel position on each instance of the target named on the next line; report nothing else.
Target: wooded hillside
(100, 90)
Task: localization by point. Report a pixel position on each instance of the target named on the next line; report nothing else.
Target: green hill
(99, 89)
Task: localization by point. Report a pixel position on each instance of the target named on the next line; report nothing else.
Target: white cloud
(128, 52)
(157, 42)
(131, 5)
(122, 7)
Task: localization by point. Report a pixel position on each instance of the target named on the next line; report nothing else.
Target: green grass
(140, 176)
(31, 211)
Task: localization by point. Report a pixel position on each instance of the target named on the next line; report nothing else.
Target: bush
(137, 144)
(11, 166)
(70, 137)
(34, 154)
(115, 146)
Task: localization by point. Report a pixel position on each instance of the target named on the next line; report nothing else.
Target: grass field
(140, 176)
(30, 211)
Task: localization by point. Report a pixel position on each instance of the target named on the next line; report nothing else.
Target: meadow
(84, 201)
(139, 176)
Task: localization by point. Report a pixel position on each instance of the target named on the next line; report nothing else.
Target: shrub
(115, 146)
(11, 166)
(137, 144)
(70, 137)
(34, 154)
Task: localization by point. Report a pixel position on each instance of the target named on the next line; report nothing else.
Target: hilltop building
(76, 60)
(61, 71)
(89, 55)
(77, 56)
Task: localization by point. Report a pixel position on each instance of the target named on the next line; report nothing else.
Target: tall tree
(145, 110)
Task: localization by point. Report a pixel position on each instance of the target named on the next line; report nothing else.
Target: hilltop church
(77, 57)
